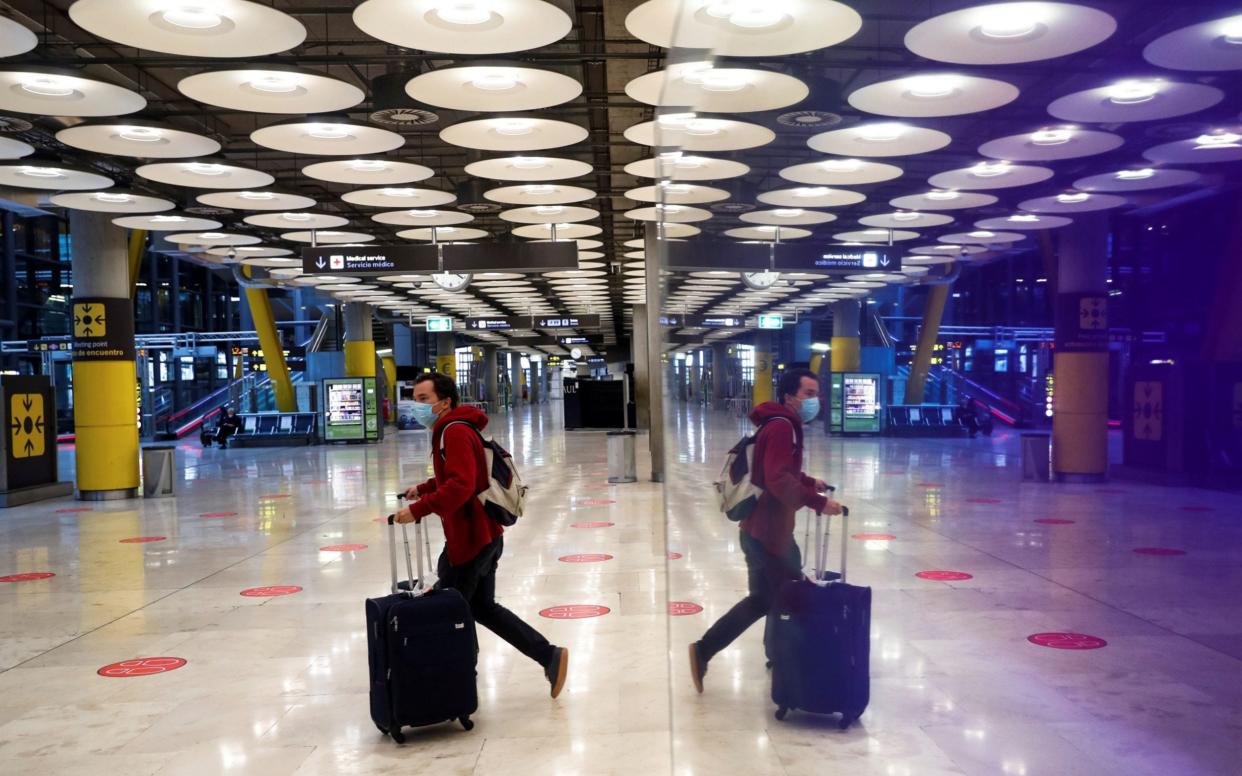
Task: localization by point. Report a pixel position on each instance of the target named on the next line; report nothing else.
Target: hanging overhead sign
(499, 323)
(686, 321)
(802, 256)
(771, 321)
(439, 324)
(425, 259)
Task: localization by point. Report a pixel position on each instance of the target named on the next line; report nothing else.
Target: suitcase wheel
(466, 723)
(397, 736)
(781, 712)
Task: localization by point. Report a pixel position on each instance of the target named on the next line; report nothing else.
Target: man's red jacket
(778, 471)
(460, 475)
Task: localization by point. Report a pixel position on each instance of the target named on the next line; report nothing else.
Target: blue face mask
(809, 409)
(425, 414)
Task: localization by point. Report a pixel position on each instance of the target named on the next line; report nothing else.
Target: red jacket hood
(472, 415)
(773, 409)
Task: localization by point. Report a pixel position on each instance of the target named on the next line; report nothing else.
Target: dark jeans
(765, 574)
(476, 581)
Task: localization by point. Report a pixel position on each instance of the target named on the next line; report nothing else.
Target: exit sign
(771, 321)
(439, 324)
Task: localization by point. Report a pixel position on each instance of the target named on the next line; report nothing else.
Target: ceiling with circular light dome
(956, 134)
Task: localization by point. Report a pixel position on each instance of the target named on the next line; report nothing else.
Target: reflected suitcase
(422, 650)
(819, 641)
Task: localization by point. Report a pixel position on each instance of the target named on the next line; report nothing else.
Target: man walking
(767, 534)
(473, 542)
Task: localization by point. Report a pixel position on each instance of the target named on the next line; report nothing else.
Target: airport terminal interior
(971, 270)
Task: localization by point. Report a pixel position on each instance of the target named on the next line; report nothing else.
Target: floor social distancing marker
(143, 539)
(675, 556)
(683, 608)
(1067, 640)
(874, 537)
(343, 547)
(271, 590)
(593, 524)
(141, 666)
(27, 576)
(588, 557)
(574, 612)
(944, 576)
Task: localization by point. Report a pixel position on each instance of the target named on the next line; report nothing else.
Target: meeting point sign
(103, 329)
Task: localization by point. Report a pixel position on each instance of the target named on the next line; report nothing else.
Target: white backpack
(505, 497)
(735, 491)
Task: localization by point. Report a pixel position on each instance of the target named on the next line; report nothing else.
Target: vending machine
(350, 410)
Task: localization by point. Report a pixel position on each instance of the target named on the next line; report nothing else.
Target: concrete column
(642, 368)
(105, 410)
(487, 367)
(655, 345)
(1080, 362)
(515, 378)
(446, 354)
(359, 340)
(846, 340)
(720, 374)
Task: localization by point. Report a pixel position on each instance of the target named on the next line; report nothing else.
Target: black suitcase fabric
(819, 641)
(422, 650)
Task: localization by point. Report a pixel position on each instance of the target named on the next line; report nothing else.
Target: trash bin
(158, 470)
(1037, 457)
(621, 464)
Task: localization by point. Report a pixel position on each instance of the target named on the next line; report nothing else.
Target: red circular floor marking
(675, 556)
(593, 524)
(29, 576)
(74, 509)
(1164, 551)
(590, 557)
(1067, 640)
(218, 514)
(594, 502)
(1052, 521)
(143, 539)
(343, 547)
(683, 608)
(874, 537)
(983, 501)
(945, 576)
(1197, 509)
(141, 666)
(574, 612)
(271, 590)
(930, 484)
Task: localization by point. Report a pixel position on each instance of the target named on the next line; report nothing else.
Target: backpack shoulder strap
(466, 423)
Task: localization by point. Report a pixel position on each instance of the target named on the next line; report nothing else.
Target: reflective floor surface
(276, 684)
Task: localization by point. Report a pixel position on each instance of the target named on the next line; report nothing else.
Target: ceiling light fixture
(1134, 91)
(881, 133)
(399, 193)
(200, 168)
(422, 213)
(1011, 20)
(275, 83)
(712, 79)
(539, 190)
(529, 162)
(368, 165)
(213, 235)
(704, 127)
(463, 12)
(982, 235)
(166, 219)
(1024, 218)
(104, 196)
(747, 14)
(192, 16)
(48, 86)
(1135, 175)
(932, 86)
(788, 212)
(257, 196)
(841, 165)
(549, 210)
(514, 127)
(989, 169)
(495, 81)
(903, 216)
(140, 134)
(808, 192)
(1231, 31)
(42, 172)
(1073, 198)
(329, 131)
(1048, 137)
(296, 216)
(1217, 140)
(943, 196)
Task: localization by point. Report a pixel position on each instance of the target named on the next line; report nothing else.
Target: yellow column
(105, 386)
(846, 344)
(932, 315)
(446, 356)
(137, 246)
(359, 342)
(1080, 416)
(761, 391)
(273, 352)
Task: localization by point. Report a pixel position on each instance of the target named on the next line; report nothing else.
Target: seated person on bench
(229, 424)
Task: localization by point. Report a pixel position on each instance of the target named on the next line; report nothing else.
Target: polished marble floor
(277, 685)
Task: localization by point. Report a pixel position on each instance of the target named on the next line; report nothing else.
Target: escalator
(1022, 409)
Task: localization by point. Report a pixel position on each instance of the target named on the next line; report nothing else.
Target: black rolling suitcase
(819, 641)
(422, 649)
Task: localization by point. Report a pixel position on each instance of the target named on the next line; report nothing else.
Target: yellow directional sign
(27, 425)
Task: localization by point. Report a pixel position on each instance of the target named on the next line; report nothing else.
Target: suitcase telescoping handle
(821, 542)
(417, 584)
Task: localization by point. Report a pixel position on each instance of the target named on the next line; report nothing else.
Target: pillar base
(106, 495)
(1072, 478)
